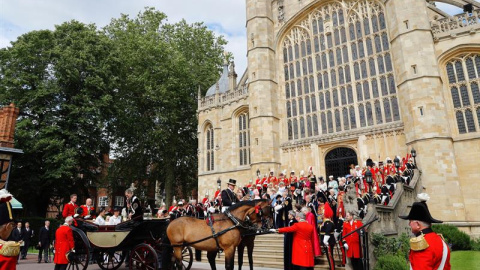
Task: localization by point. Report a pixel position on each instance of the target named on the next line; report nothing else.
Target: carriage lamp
(258, 173)
(414, 155)
(219, 183)
(396, 161)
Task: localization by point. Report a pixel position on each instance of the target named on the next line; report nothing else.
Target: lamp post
(219, 183)
(414, 154)
(396, 161)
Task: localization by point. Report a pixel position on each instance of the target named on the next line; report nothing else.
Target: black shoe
(46, 261)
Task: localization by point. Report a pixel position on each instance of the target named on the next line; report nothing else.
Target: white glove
(278, 207)
(325, 239)
(273, 230)
(76, 215)
(87, 217)
(336, 234)
(345, 246)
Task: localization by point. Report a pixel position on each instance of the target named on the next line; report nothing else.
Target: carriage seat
(106, 236)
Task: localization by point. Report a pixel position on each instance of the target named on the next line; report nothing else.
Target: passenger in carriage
(100, 220)
(116, 218)
(88, 210)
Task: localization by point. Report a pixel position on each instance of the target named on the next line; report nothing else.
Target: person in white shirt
(116, 218)
(100, 220)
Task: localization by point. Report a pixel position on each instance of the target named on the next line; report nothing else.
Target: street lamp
(414, 154)
(219, 183)
(396, 161)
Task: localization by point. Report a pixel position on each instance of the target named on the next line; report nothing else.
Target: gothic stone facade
(379, 77)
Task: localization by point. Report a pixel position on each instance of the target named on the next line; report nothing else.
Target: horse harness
(215, 235)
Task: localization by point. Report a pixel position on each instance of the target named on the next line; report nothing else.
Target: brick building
(8, 119)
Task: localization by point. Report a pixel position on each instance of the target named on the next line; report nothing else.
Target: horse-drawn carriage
(147, 246)
(143, 244)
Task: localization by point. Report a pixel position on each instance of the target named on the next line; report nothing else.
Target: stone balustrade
(455, 25)
(224, 98)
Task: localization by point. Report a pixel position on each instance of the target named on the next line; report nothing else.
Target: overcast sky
(224, 17)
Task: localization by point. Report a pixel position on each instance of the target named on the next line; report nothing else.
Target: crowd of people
(320, 200)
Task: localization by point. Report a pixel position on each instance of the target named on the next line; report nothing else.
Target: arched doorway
(338, 160)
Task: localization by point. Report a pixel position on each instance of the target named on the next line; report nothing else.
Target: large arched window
(243, 139)
(463, 75)
(210, 142)
(349, 45)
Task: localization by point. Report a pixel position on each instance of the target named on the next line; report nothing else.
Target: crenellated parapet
(464, 23)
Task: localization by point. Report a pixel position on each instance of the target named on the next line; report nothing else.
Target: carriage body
(145, 242)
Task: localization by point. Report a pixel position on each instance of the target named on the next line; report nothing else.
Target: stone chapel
(331, 83)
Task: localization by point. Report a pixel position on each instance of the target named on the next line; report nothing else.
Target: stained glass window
(378, 112)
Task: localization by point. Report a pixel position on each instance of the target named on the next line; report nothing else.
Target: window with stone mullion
(354, 57)
(463, 79)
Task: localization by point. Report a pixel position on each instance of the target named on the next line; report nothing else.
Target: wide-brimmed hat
(232, 182)
(420, 212)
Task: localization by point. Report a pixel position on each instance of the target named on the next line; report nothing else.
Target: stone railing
(388, 223)
(458, 24)
(223, 98)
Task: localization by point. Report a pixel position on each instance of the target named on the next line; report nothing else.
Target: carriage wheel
(110, 260)
(143, 257)
(187, 259)
(82, 254)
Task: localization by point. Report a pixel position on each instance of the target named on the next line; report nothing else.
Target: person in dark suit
(27, 236)
(17, 236)
(134, 207)
(228, 196)
(44, 242)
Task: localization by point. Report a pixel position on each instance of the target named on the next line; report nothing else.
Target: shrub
(391, 262)
(476, 244)
(457, 239)
(390, 245)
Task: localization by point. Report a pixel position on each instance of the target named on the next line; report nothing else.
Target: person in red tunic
(352, 242)
(311, 219)
(302, 248)
(88, 209)
(6, 227)
(63, 244)
(428, 250)
(69, 208)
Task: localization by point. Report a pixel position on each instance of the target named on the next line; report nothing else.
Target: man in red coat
(63, 244)
(352, 242)
(6, 227)
(428, 250)
(302, 248)
(69, 208)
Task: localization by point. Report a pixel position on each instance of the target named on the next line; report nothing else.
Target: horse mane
(249, 203)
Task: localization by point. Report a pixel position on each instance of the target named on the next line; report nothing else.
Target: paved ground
(31, 264)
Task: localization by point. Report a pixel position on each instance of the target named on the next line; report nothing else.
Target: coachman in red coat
(302, 248)
(63, 244)
(428, 250)
(352, 242)
(70, 207)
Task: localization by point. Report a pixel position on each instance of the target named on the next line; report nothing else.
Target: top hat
(232, 182)
(419, 210)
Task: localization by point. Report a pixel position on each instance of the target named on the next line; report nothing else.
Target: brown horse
(248, 237)
(190, 231)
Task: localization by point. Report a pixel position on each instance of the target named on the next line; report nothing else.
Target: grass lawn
(465, 260)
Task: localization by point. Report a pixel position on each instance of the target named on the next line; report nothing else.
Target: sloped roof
(222, 83)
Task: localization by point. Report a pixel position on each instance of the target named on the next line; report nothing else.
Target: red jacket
(69, 209)
(302, 248)
(431, 257)
(63, 243)
(353, 240)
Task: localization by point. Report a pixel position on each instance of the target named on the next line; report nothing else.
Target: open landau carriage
(144, 244)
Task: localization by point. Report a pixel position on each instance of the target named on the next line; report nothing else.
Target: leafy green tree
(61, 80)
(162, 67)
